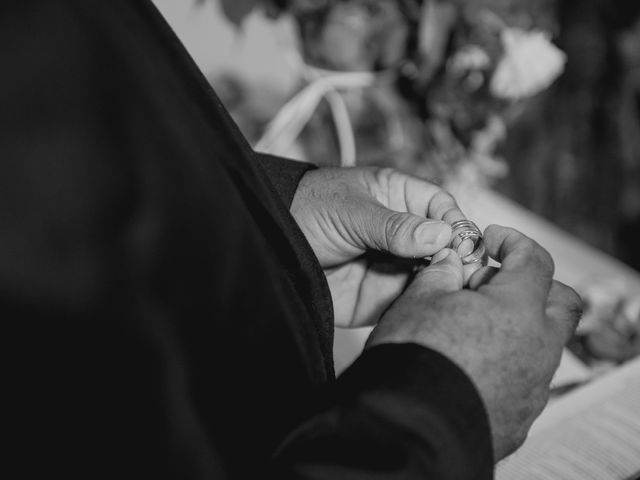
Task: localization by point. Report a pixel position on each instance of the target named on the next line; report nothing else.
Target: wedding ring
(466, 240)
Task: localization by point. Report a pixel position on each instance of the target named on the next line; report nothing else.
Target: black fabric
(162, 315)
(385, 419)
(284, 174)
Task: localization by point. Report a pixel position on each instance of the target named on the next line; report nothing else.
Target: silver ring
(463, 230)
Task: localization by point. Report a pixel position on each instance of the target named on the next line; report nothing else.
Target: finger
(379, 288)
(482, 276)
(343, 281)
(441, 205)
(443, 275)
(526, 266)
(401, 192)
(564, 309)
(403, 234)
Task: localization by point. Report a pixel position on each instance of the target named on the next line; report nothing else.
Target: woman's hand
(369, 227)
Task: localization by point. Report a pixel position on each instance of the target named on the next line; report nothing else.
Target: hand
(615, 330)
(507, 332)
(347, 213)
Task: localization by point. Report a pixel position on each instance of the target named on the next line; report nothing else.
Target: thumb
(444, 275)
(406, 235)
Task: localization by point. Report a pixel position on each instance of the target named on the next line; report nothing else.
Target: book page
(570, 371)
(593, 433)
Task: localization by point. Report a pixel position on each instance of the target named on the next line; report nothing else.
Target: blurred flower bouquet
(429, 86)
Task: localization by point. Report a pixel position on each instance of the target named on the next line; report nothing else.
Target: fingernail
(441, 255)
(466, 247)
(433, 233)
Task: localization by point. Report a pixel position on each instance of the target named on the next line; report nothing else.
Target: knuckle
(571, 306)
(512, 240)
(492, 230)
(545, 258)
(536, 253)
(575, 306)
(526, 244)
(383, 182)
(383, 176)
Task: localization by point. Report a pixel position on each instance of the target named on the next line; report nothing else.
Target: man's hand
(506, 333)
(347, 214)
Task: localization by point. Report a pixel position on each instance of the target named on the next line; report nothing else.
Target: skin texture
(507, 334)
(506, 330)
(369, 228)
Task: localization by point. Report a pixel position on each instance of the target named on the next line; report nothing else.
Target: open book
(591, 433)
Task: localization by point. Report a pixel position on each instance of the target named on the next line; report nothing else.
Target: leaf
(237, 10)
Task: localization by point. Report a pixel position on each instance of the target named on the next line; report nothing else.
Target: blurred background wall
(575, 154)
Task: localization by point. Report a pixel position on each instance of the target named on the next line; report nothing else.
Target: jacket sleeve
(100, 381)
(283, 174)
(400, 411)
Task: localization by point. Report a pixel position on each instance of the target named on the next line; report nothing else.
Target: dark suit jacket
(163, 315)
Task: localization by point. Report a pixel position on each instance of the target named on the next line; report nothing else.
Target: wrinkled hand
(506, 332)
(348, 214)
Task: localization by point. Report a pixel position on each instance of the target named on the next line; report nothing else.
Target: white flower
(530, 64)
